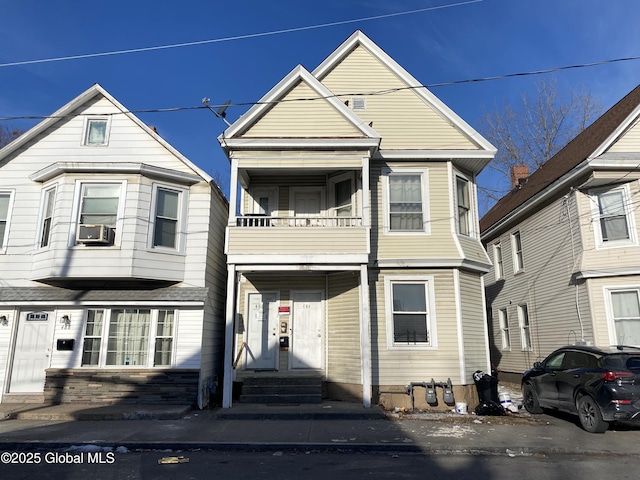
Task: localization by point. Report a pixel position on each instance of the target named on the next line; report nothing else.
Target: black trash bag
(487, 386)
(490, 408)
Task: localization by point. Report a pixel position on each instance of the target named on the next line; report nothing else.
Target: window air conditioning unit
(94, 234)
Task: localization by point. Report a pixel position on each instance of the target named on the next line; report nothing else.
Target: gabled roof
(68, 109)
(278, 92)
(358, 38)
(588, 144)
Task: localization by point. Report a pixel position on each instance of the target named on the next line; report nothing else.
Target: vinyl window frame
(505, 336)
(468, 221)
(428, 282)
(77, 213)
(151, 341)
(498, 261)
(517, 252)
(47, 214)
(388, 172)
(181, 220)
(597, 217)
(6, 218)
(91, 120)
(524, 323)
(612, 321)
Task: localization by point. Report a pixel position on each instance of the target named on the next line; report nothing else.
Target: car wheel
(530, 399)
(590, 415)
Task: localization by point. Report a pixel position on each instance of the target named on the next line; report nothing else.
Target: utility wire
(237, 37)
(354, 94)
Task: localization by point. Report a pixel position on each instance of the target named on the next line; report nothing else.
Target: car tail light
(613, 376)
(621, 402)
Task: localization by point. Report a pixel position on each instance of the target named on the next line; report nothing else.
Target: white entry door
(308, 204)
(307, 343)
(32, 352)
(262, 335)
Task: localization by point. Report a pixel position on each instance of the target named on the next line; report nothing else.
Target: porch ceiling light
(4, 321)
(66, 321)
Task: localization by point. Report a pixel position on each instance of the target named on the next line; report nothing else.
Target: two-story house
(353, 246)
(112, 283)
(564, 246)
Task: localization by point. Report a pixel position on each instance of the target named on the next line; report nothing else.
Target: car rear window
(622, 361)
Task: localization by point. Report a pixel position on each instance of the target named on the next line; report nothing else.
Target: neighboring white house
(565, 247)
(111, 252)
(356, 257)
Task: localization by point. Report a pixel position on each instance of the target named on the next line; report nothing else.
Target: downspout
(567, 199)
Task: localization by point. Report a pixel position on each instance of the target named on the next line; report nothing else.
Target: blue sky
(464, 41)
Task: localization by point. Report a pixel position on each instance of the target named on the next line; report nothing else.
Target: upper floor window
(98, 212)
(5, 214)
(518, 257)
(463, 206)
(96, 131)
(410, 312)
(525, 328)
(47, 216)
(497, 261)
(406, 201)
(504, 329)
(612, 213)
(625, 308)
(169, 217)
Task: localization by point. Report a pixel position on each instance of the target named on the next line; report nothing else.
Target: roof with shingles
(56, 294)
(574, 153)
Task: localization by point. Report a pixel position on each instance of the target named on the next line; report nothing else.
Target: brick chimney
(519, 174)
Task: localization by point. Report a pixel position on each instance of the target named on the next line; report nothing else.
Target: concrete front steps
(281, 390)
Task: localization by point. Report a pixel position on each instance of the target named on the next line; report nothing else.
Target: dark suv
(600, 387)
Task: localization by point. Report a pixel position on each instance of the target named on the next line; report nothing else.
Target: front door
(262, 335)
(307, 204)
(32, 352)
(307, 341)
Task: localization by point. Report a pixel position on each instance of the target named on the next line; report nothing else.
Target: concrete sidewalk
(336, 426)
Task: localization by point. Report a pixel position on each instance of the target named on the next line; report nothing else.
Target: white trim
(608, 304)
(434, 263)
(77, 203)
(229, 336)
(514, 253)
(593, 196)
(12, 196)
(504, 347)
(521, 326)
(365, 337)
(332, 181)
(90, 118)
(495, 247)
(303, 260)
(471, 219)
(181, 224)
(301, 143)
(485, 322)
(424, 190)
(295, 268)
(608, 272)
(428, 281)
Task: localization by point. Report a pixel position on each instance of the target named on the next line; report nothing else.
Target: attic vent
(359, 103)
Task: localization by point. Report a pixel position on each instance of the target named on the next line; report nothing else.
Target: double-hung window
(5, 214)
(405, 201)
(168, 218)
(96, 132)
(614, 217)
(525, 327)
(518, 257)
(410, 312)
(47, 216)
(498, 265)
(99, 204)
(129, 337)
(503, 318)
(463, 206)
(625, 308)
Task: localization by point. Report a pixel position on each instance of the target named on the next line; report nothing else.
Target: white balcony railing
(264, 221)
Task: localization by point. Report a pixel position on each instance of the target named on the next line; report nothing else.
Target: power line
(236, 37)
(353, 94)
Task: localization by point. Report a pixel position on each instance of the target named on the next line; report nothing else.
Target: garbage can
(487, 386)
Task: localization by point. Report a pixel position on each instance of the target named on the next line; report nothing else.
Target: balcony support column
(227, 382)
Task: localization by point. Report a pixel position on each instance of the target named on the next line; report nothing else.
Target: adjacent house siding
(402, 118)
(596, 257)
(399, 367)
(298, 119)
(628, 142)
(343, 318)
(545, 286)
